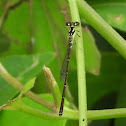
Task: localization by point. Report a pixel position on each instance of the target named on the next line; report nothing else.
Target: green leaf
(110, 78)
(43, 29)
(12, 104)
(121, 102)
(72, 123)
(17, 29)
(9, 3)
(23, 68)
(28, 120)
(28, 86)
(92, 54)
(113, 11)
(4, 7)
(4, 43)
(39, 27)
(50, 32)
(49, 26)
(40, 84)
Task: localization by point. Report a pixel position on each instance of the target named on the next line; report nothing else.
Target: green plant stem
(74, 114)
(80, 67)
(17, 85)
(52, 85)
(90, 15)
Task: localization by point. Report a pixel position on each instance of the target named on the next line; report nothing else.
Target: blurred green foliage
(33, 34)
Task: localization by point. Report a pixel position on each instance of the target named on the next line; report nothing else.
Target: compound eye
(76, 23)
(68, 24)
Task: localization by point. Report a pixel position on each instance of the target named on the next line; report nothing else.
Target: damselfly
(65, 66)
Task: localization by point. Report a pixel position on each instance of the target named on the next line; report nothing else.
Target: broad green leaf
(110, 78)
(72, 123)
(23, 68)
(10, 117)
(4, 6)
(43, 29)
(39, 27)
(16, 27)
(49, 26)
(9, 2)
(121, 102)
(113, 11)
(92, 54)
(4, 43)
(2, 10)
(16, 102)
(50, 32)
(104, 122)
(40, 84)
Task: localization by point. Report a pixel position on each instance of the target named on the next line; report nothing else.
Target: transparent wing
(64, 67)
